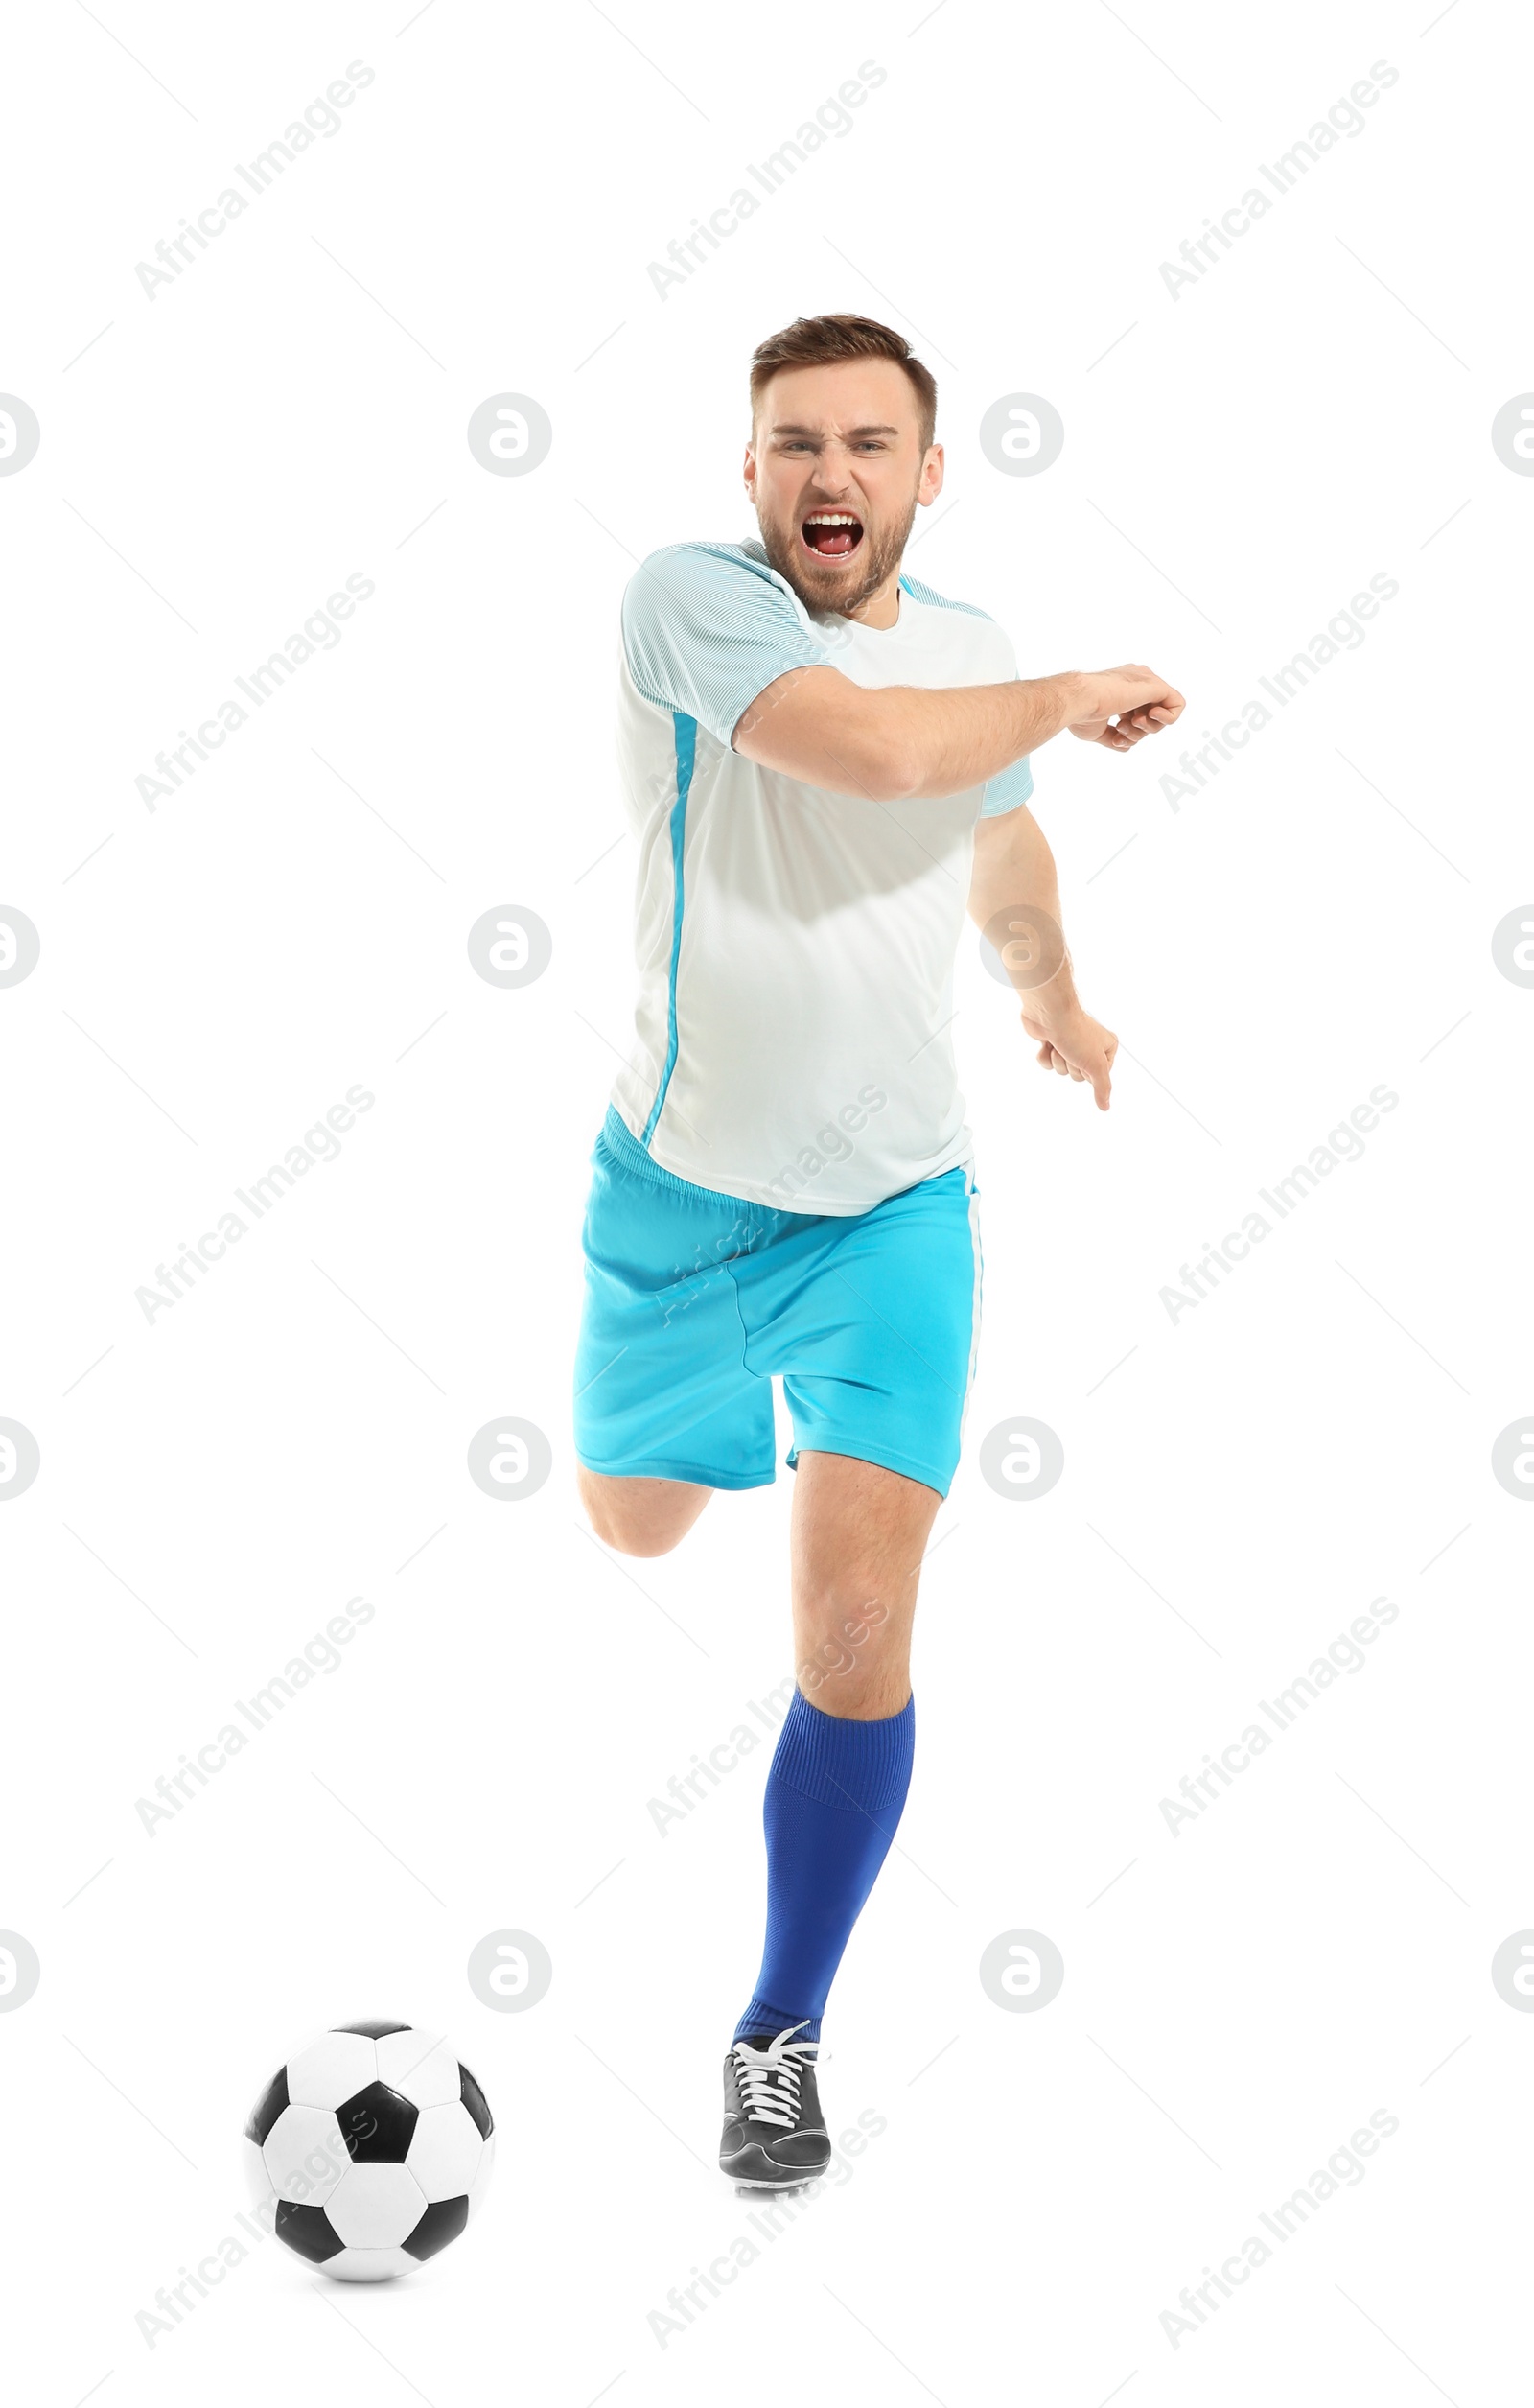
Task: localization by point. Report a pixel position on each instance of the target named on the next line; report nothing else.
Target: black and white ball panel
(377, 2144)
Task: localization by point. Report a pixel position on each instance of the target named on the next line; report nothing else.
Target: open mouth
(832, 534)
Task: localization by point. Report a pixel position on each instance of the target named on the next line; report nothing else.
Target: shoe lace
(769, 2076)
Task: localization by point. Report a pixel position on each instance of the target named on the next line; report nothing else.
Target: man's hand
(1071, 1043)
(1141, 702)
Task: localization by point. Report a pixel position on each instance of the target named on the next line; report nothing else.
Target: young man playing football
(825, 763)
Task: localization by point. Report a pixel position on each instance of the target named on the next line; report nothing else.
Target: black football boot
(774, 2136)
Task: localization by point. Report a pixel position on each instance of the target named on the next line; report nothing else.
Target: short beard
(787, 554)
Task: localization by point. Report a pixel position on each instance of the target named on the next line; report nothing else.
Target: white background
(1239, 1483)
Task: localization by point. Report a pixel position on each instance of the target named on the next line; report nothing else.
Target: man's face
(835, 469)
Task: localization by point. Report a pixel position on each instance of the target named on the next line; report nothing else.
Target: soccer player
(825, 763)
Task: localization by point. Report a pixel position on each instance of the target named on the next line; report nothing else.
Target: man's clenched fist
(1141, 702)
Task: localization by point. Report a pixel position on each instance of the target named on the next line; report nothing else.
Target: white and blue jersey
(795, 947)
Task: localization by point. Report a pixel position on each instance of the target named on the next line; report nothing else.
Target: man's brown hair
(811, 341)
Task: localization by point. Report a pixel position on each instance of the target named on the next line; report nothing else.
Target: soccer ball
(375, 2146)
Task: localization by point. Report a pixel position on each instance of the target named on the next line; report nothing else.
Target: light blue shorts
(695, 1302)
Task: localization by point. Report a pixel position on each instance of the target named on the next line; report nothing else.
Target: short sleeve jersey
(795, 947)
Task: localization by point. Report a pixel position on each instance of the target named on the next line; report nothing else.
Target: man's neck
(881, 609)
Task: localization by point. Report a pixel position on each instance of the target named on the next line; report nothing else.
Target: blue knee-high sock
(834, 1795)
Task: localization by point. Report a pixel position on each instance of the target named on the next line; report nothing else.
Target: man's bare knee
(855, 1651)
(638, 1516)
(634, 1538)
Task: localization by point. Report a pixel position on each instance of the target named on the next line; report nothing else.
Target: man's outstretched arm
(1014, 900)
(902, 743)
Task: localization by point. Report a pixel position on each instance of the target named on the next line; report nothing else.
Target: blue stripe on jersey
(707, 628)
(687, 743)
(938, 602)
